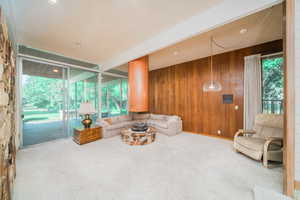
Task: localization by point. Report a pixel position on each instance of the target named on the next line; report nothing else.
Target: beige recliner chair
(265, 141)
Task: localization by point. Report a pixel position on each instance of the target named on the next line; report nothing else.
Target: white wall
(297, 90)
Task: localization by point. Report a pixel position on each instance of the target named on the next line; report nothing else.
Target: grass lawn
(40, 116)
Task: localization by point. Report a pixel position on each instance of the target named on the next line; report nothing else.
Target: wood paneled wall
(177, 90)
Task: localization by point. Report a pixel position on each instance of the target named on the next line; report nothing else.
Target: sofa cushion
(157, 117)
(139, 121)
(157, 123)
(119, 125)
(255, 143)
(114, 120)
(125, 118)
(102, 123)
(108, 120)
(144, 116)
(173, 117)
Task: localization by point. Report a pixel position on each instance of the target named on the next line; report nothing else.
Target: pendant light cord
(212, 41)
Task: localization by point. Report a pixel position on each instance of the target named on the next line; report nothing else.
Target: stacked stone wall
(7, 113)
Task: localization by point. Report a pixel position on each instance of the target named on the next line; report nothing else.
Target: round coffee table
(138, 137)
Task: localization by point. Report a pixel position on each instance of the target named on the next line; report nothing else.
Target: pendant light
(212, 85)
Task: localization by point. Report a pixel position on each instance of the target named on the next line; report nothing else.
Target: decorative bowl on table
(139, 127)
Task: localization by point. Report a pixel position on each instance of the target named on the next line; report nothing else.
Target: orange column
(138, 84)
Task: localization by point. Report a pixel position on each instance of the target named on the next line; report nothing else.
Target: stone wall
(7, 112)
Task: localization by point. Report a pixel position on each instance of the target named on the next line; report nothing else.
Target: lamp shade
(86, 108)
(212, 86)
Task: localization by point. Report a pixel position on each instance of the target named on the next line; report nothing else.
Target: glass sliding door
(44, 100)
(83, 87)
(114, 96)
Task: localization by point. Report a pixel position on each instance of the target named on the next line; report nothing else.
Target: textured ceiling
(262, 27)
(102, 28)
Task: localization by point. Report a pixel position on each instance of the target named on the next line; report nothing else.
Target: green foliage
(82, 91)
(114, 97)
(46, 95)
(272, 74)
(273, 78)
(42, 92)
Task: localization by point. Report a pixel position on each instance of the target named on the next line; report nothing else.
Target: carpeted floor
(183, 167)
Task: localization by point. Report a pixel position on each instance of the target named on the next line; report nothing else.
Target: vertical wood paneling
(177, 90)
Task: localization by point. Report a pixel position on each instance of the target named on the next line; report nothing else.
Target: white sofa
(166, 124)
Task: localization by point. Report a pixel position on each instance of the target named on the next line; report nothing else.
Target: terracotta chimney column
(138, 84)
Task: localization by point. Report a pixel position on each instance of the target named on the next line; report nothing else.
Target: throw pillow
(108, 120)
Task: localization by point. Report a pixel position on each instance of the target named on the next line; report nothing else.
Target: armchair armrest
(242, 132)
(275, 139)
(269, 141)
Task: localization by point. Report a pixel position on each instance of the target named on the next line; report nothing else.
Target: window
(114, 98)
(272, 85)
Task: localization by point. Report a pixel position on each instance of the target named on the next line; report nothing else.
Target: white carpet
(260, 193)
(183, 167)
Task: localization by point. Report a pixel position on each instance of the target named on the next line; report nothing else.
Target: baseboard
(297, 185)
(209, 135)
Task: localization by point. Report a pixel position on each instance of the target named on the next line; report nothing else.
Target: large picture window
(272, 85)
(114, 97)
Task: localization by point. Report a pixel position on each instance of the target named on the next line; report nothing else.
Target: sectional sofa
(166, 124)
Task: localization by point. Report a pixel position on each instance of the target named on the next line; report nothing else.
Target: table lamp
(86, 109)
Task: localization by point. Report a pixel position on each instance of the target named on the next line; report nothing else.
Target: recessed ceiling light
(243, 31)
(55, 70)
(52, 2)
(175, 53)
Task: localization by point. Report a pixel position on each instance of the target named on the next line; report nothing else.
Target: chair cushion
(255, 143)
(266, 132)
(269, 120)
(157, 123)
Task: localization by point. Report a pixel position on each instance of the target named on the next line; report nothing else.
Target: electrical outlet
(219, 132)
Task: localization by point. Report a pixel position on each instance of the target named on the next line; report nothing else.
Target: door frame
(289, 122)
(65, 78)
(67, 67)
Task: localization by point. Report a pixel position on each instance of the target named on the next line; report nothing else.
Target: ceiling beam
(218, 15)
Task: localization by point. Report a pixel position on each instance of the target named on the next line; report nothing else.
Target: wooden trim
(297, 185)
(289, 123)
(210, 135)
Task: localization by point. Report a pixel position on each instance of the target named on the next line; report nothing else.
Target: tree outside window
(272, 85)
(114, 98)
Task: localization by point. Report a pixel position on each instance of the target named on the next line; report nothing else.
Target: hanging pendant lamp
(212, 85)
